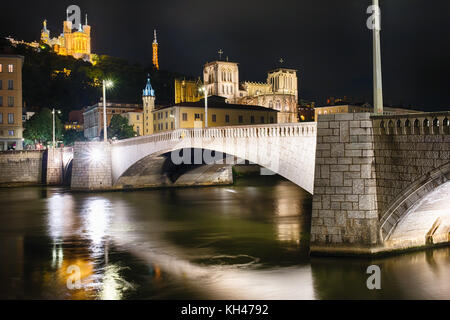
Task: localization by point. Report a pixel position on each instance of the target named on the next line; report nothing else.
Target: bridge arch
(408, 208)
(286, 149)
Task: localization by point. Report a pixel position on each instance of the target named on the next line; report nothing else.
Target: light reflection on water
(248, 241)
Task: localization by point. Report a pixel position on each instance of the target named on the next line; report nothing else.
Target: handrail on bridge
(256, 131)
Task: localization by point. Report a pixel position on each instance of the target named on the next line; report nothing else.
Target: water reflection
(247, 241)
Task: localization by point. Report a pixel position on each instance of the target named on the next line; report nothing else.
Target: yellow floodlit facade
(220, 114)
(187, 90)
(70, 43)
(11, 102)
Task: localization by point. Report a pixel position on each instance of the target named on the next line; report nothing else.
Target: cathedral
(279, 92)
(76, 43)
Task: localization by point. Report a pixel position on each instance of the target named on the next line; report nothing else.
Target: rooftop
(217, 102)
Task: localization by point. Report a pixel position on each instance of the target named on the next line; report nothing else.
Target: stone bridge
(379, 183)
(285, 149)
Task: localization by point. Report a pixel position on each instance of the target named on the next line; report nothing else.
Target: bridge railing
(413, 124)
(258, 131)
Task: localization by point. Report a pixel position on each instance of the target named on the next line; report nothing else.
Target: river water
(247, 241)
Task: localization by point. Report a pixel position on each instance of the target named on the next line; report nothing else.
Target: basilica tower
(148, 99)
(155, 51)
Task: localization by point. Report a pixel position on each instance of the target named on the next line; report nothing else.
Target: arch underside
(421, 215)
(288, 157)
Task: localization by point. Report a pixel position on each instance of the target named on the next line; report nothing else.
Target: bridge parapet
(414, 123)
(256, 131)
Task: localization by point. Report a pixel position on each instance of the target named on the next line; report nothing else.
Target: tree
(70, 136)
(119, 128)
(40, 127)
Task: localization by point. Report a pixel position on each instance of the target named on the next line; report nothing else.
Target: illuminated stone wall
(344, 203)
(91, 169)
(58, 161)
(412, 155)
(21, 168)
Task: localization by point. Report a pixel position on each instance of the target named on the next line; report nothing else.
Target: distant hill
(63, 82)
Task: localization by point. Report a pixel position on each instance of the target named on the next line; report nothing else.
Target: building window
(137, 117)
(262, 119)
(227, 118)
(1, 101)
(171, 125)
(10, 68)
(154, 127)
(10, 85)
(1, 85)
(1, 118)
(214, 118)
(197, 116)
(137, 131)
(241, 119)
(252, 119)
(184, 116)
(167, 114)
(271, 120)
(167, 125)
(11, 133)
(113, 111)
(1, 67)
(10, 101)
(10, 118)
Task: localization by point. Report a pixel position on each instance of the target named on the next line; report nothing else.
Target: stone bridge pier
(381, 183)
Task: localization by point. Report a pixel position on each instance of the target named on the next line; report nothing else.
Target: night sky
(327, 41)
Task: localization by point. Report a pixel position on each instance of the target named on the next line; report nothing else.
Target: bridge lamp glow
(109, 84)
(96, 156)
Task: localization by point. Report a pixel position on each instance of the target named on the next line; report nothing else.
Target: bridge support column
(91, 168)
(345, 216)
(57, 161)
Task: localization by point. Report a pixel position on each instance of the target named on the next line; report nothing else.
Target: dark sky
(327, 41)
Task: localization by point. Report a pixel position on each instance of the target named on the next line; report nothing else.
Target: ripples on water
(248, 241)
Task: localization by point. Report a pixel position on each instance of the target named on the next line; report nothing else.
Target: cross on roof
(281, 60)
(220, 52)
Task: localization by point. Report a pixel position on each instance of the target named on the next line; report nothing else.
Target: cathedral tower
(148, 99)
(155, 51)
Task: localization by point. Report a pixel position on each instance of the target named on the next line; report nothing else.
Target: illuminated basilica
(279, 92)
(76, 43)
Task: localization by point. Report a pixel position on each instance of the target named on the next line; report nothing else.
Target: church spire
(86, 22)
(148, 90)
(154, 37)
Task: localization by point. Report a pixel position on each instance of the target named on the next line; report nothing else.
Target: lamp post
(205, 91)
(106, 84)
(54, 129)
(377, 77)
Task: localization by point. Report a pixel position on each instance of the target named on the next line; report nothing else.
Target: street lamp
(205, 91)
(106, 84)
(377, 78)
(53, 116)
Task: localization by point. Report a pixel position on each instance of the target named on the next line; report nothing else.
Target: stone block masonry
(344, 210)
(91, 169)
(21, 168)
(58, 160)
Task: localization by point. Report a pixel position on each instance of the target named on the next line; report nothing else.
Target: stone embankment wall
(21, 168)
